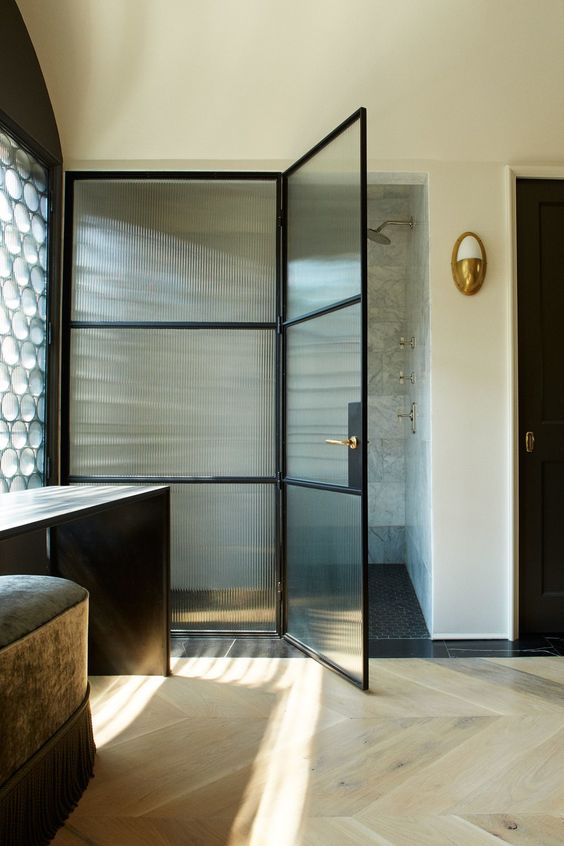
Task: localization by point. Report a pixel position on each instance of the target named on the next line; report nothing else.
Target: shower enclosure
(215, 340)
(399, 545)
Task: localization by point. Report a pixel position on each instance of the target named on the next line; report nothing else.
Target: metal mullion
(174, 480)
(321, 312)
(223, 633)
(313, 653)
(173, 175)
(168, 324)
(350, 121)
(364, 394)
(322, 486)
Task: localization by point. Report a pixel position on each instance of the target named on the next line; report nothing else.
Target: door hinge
(280, 218)
(279, 480)
(279, 588)
(278, 325)
(530, 441)
(48, 468)
(49, 334)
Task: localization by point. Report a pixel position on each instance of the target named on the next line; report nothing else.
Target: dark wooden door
(540, 278)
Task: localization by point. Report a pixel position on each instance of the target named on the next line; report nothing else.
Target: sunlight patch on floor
(273, 805)
(122, 702)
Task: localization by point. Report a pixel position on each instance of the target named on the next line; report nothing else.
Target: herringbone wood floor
(279, 752)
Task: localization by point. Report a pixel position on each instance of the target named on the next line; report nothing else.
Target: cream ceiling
(478, 80)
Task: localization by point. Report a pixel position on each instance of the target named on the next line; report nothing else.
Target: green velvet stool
(46, 744)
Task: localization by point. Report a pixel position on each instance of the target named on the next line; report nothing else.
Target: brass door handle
(529, 441)
(352, 443)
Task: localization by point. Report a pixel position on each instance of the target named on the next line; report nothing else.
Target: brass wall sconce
(468, 263)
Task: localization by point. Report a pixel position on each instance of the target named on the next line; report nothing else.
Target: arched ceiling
(264, 79)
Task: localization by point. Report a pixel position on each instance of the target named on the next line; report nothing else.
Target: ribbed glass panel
(324, 574)
(222, 557)
(172, 402)
(324, 226)
(323, 365)
(186, 250)
(223, 567)
(23, 313)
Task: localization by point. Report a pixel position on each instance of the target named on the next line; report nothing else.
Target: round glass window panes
(10, 350)
(27, 461)
(12, 239)
(27, 408)
(13, 184)
(30, 250)
(9, 463)
(29, 302)
(36, 331)
(35, 434)
(17, 484)
(21, 272)
(11, 294)
(36, 382)
(5, 324)
(4, 434)
(28, 355)
(4, 377)
(5, 263)
(19, 381)
(22, 219)
(20, 326)
(23, 164)
(19, 435)
(10, 407)
(31, 196)
(6, 213)
(6, 150)
(38, 229)
(38, 279)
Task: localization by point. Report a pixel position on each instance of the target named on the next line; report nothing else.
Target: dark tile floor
(395, 612)
(274, 647)
(239, 647)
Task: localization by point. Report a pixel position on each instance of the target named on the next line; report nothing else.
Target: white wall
(262, 79)
(454, 89)
(471, 407)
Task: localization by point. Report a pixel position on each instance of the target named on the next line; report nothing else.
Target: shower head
(376, 234)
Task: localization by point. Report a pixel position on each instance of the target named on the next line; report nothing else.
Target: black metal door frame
(361, 299)
(281, 276)
(67, 325)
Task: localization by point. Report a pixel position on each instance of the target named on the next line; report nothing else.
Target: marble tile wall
(387, 280)
(417, 455)
(398, 305)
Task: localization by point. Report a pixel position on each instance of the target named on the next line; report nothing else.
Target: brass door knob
(352, 442)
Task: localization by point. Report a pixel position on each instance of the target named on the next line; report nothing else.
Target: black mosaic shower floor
(394, 609)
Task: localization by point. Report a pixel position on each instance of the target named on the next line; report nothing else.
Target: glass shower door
(324, 473)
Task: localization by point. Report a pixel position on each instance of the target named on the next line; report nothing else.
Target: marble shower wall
(398, 305)
(387, 282)
(418, 446)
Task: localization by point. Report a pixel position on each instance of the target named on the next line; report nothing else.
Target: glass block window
(23, 314)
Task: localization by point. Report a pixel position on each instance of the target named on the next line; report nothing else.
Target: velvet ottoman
(46, 744)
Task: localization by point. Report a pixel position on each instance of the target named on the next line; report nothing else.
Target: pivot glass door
(324, 467)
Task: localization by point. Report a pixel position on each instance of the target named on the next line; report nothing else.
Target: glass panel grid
(323, 361)
(183, 250)
(324, 227)
(172, 402)
(23, 315)
(324, 576)
(223, 557)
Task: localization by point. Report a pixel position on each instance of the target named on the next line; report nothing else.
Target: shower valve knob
(407, 342)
